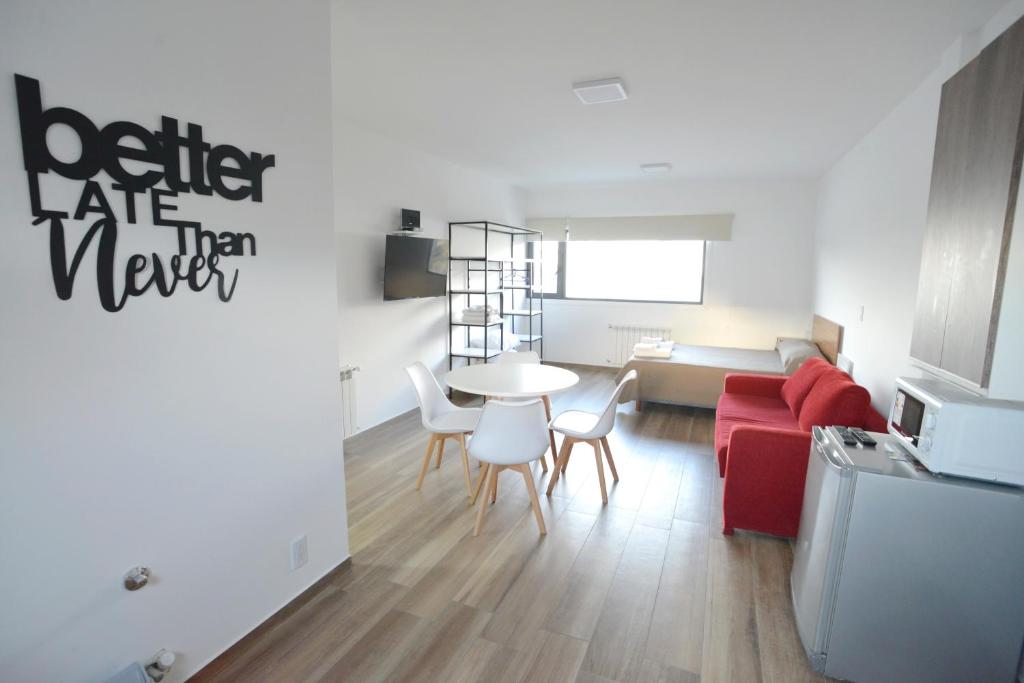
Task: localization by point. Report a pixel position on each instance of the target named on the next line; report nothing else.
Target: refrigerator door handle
(835, 459)
(832, 457)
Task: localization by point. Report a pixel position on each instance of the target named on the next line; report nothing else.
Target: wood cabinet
(975, 178)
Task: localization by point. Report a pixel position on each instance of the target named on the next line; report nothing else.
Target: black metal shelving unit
(514, 274)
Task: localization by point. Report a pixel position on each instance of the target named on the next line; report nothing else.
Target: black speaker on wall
(410, 219)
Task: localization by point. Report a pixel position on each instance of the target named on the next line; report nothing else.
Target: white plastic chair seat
(459, 420)
(578, 424)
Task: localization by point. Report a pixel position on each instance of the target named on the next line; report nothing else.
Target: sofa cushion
(795, 389)
(745, 409)
(753, 409)
(834, 400)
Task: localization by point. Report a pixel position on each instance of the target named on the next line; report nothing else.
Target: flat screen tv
(414, 267)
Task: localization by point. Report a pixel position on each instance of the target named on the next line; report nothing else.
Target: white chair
(519, 357)
(443, 419)
(577, 425)
(533, 358)
(510, 435)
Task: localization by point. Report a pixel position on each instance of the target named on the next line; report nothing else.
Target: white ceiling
(717, 88)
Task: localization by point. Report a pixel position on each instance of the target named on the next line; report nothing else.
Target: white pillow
(793, 353)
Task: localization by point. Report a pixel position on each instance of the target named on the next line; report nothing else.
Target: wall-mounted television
(414, 267)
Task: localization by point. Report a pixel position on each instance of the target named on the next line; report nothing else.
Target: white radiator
(350, 416)
(624, 337)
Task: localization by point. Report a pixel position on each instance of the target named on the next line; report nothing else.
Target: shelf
(496, 323)
(475, 353)
(493, 260)
(499, 290)
(515, 276)
(494, 227)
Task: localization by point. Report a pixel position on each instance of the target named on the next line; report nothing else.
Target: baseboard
(292, 606)
(388, 421)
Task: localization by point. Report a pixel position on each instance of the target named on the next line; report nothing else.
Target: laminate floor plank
(558, 660)
(617, 646)
(730, 648)
(591, 576)
(523, 610)
(677, 626)
(441, 644)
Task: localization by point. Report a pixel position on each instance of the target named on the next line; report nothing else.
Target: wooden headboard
(829, 338)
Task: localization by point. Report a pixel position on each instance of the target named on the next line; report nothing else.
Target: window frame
(560, 294)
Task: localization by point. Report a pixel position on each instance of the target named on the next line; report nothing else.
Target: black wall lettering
(92, 191)
(156, 158)
(129, 201)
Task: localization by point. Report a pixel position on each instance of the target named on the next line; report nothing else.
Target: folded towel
(662, 353)
(479, 318)
(661, 350)
(650, 340)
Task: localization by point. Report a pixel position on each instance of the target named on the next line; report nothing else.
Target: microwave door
(819, 543)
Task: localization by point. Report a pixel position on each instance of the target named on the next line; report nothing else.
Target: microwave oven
(954, 432)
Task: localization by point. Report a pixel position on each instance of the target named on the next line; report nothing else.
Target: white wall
(757, 286)
(194, 436)
(871, 215)
(374, 178)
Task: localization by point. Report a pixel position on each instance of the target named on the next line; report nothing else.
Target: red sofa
(763, 440)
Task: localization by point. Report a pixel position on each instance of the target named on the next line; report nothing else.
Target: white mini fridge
(902, 575)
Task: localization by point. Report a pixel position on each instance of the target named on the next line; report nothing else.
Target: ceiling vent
(655, 169)
(599, 92)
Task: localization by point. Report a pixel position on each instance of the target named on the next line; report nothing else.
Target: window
(643, 270)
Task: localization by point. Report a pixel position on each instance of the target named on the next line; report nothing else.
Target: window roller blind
(716, 226)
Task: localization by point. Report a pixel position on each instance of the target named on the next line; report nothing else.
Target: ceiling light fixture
(599, 92)
(655, 169)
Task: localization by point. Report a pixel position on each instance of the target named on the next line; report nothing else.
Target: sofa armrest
(754, 385)
(874, 421)
(765, 471)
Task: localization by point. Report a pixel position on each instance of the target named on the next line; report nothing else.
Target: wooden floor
(643, 589)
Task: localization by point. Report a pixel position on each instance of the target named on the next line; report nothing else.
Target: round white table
(511, 380)
(515, 380)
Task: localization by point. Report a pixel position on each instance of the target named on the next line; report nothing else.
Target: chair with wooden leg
(533, 357)
(509, 436)
(578, 426)
(443, 419)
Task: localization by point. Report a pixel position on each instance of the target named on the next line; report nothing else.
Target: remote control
(846, 436)
(863, 437)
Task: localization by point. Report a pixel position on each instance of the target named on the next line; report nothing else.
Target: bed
(694, 375)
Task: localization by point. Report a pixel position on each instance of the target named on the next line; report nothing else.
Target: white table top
(511, 380)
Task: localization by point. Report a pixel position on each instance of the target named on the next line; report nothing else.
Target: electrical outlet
(300, 552)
